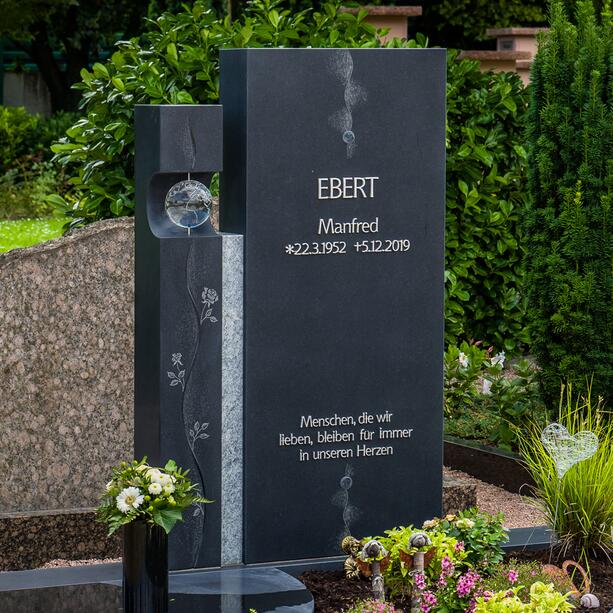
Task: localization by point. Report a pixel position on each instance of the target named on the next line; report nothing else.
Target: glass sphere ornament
(188, 204)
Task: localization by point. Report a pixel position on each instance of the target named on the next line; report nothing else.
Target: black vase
(145, 568)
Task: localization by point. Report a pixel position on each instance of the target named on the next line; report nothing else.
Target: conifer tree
(569, 227)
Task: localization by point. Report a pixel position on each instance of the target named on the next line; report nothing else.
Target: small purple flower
(459, 546)
(420, 581)
(427, 601)
(447, 567)
(512, 576)
(467, 583)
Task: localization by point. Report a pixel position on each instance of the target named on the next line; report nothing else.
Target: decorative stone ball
(589, 601)
(419, 540)
(188, 204)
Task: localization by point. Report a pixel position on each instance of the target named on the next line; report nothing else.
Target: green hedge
(570, 225)
(486, 200)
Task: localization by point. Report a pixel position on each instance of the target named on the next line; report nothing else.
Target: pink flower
(427, 601)
(466, 583)
(420, 581)
(512, 576)
(459, 546)
(447, 567)
(533, 573)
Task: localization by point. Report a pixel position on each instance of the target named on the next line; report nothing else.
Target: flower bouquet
(147, 502)
(138, 491)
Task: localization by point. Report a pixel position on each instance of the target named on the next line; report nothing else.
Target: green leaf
(171, 52)
(100, 70)
(167, 518)
(118, 83)
(171, 466)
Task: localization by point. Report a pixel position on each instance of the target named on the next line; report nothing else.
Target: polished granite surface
(266, 590)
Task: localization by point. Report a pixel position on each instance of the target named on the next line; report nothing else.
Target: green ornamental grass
(579, 507)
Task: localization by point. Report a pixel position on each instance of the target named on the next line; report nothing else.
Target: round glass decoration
(188, 204)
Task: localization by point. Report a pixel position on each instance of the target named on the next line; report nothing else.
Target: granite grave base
(28, 540)
(223, 591)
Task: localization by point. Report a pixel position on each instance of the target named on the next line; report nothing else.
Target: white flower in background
(154, 475)
(129, 499)
(463, 359)
(169, 489)
(486, 387)
(155, 489)
(499, 358)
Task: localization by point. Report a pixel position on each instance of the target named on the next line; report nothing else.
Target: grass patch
(28, 232)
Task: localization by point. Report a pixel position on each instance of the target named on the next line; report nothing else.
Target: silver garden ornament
(565, 449)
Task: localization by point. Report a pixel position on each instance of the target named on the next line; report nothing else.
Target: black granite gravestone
(178, 318)
(334, 170)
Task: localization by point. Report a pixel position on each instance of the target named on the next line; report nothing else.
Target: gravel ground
(56, 563)
(517, 512)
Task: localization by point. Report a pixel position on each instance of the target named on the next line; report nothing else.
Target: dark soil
(333, 593)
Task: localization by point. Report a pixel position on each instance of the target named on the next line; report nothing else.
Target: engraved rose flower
(209, 296)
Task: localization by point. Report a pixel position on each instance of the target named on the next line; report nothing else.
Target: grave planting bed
(333, 593)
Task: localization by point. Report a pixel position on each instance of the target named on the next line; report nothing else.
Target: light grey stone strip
(232, 401)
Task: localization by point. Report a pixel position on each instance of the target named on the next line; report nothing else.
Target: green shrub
(481, 535)
(27, 176)
(569, 229)
(18, 135)
(482, 398)
(578, 507)
(24, 190)
(486, 200)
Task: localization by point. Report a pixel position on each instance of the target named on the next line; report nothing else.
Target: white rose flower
(154, 475)
(169, 489)
(155, 489)
(463, 359)
(129, 499)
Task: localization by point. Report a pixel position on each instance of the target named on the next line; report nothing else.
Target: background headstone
(334, 171)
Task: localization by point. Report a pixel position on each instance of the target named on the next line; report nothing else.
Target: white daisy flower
(155, 489)
(169, 489)
(165, 479)
(129, 499)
